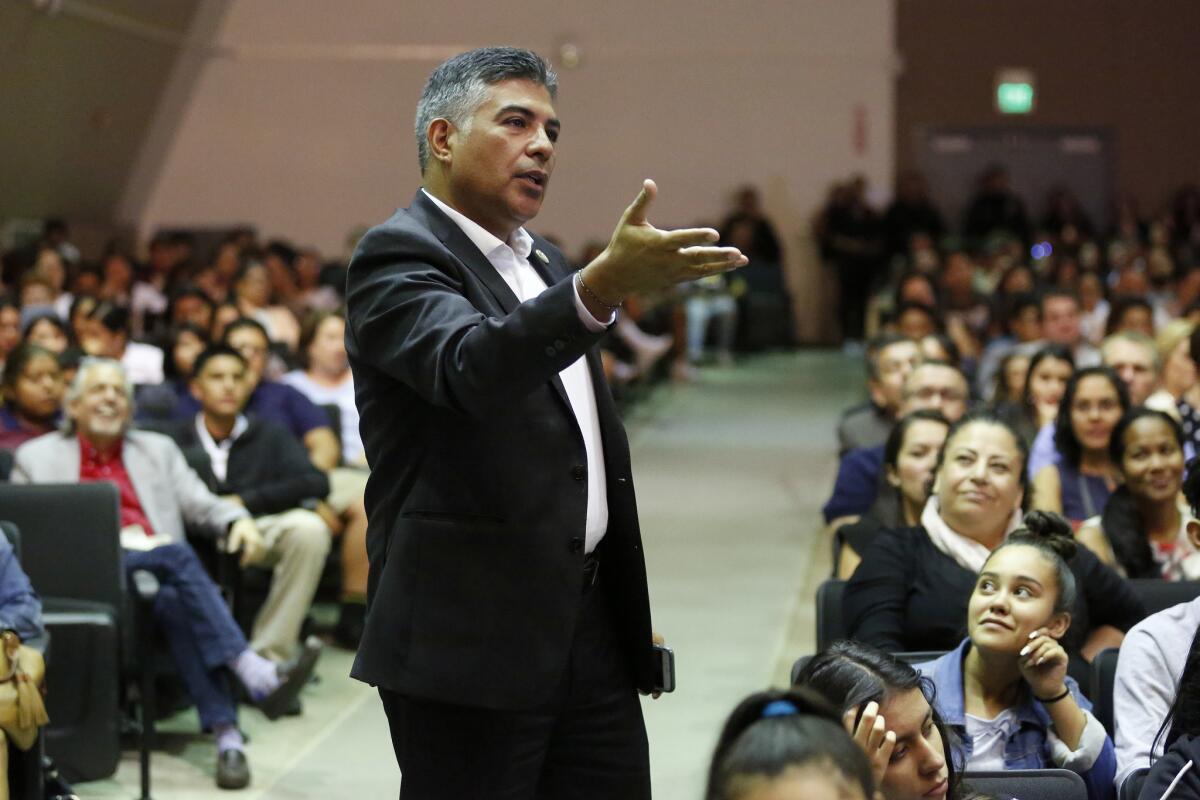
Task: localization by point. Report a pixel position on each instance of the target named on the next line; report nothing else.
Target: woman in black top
(911, 590)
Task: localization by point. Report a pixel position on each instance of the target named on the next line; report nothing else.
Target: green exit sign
(1014, 98)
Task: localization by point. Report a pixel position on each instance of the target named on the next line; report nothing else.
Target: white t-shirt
(989, 737)
(341, 396)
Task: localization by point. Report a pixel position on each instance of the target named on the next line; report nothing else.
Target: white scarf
(965, 551)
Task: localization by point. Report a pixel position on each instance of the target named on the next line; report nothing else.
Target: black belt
(591, 568)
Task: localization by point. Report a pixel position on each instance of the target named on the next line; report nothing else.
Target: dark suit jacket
(478, 493)
(268, 468)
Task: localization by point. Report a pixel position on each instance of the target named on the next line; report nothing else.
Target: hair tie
(779, 708)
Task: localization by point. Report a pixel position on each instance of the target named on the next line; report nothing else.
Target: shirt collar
(90, 455)
(239, 427)
(521, 242)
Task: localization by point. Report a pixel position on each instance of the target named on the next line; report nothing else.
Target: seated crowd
(1018, 472)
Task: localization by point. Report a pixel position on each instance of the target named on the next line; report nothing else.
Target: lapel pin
(545, 259)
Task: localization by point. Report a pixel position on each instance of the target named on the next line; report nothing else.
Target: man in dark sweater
(260, 465)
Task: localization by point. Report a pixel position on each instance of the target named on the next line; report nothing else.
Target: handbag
(21, 689)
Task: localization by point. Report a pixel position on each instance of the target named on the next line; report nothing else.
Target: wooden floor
(731, 471)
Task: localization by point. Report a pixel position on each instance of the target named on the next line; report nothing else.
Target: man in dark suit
(508, 623)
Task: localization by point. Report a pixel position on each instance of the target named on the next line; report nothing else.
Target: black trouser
(856, 281)
(588, 742)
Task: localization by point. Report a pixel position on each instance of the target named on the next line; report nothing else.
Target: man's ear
(1193, 533)
(875, 391)
(441, 136)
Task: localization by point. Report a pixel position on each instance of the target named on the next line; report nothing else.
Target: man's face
(1027, 326)
(938, 388)
(1135, 364)
(893, 364)
(254, 347)
(1060, 320)
(500, 162)
(101, 411)
(221, 386)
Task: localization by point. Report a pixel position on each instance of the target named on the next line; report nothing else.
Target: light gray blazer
(170, 492)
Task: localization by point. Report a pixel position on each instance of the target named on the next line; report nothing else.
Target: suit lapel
(465, 250)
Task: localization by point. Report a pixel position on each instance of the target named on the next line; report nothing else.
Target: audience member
(1060, 325)
(1178, 372)
(1144, 531)
(911, 590)
(854, 242)
(995, 210)
(1080, 483)
(77, 318)
(325, 379)
(31, 388)
(1093, 307)
(1150, 674)
(887, 706)
(932, 385)
(159, 495)
(1133, 356)
(1004, 690)
(890, 358)
(10, 327)
(911, 213)
(706, 300)
(252, 293)
(259, 465)
(48, 331)
(22, 712)
(190, 305)
(1050, 370)
(909, 454)
(1022, 325)
(916, 321)
(787, 744)
(106, 334)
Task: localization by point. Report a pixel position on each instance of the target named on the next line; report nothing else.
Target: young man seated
(159, 495)
(258, 465)
(890, 359)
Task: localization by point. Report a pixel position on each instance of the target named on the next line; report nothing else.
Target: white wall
(304, 126)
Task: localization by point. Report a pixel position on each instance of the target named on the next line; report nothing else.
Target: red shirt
(97, 466)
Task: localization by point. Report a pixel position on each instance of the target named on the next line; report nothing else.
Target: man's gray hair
(1133, 337)
(459, 86)
(75, 390)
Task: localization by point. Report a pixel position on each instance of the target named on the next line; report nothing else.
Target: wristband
(1055, 699)
(593, 295)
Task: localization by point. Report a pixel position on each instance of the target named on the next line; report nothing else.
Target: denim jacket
(1032, 743)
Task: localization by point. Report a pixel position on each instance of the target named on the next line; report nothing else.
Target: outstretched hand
(643, 258)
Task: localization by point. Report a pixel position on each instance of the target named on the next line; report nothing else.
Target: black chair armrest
(145, 585)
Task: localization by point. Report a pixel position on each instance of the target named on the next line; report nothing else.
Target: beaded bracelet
(593, 295)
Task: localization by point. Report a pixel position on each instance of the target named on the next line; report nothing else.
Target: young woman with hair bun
(787, 745)
(1145, 531)
(1004, 690)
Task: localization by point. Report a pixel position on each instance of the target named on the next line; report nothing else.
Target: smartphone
(664, 674)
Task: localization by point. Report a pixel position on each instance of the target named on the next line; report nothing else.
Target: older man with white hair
(159, 493)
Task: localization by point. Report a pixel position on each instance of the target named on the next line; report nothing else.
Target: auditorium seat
(1029, 784)
(1104, 676)
(1157, 595)
(830, 626)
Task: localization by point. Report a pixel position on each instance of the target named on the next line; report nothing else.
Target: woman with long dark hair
(908, 457)
(1143, 531)
(1046, 378)
(787, 744)
(887, 707)
(1004, 690)
(31, 393)
(1079, 486)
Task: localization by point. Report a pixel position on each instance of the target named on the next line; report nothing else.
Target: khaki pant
(297, 544)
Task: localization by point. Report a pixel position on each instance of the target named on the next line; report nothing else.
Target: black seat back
(1157, 594)
(1029, 784)
(830, 626)
(70, 539)
(1104, 678)
(13, 533)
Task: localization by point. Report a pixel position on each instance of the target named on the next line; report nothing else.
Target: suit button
(550, 351)
(576, 545)
(578, 472)
(560, 344)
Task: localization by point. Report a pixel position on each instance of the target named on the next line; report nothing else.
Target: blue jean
(201, 633)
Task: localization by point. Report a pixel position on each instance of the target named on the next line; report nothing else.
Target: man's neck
(440, 188)
(219, 427)
(105, 446)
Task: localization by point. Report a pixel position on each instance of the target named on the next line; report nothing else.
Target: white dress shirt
(511, 260)
(218, 452)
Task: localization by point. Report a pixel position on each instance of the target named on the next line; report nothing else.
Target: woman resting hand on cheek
(1005, 689)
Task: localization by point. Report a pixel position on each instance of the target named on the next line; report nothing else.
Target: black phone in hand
(664, 672)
